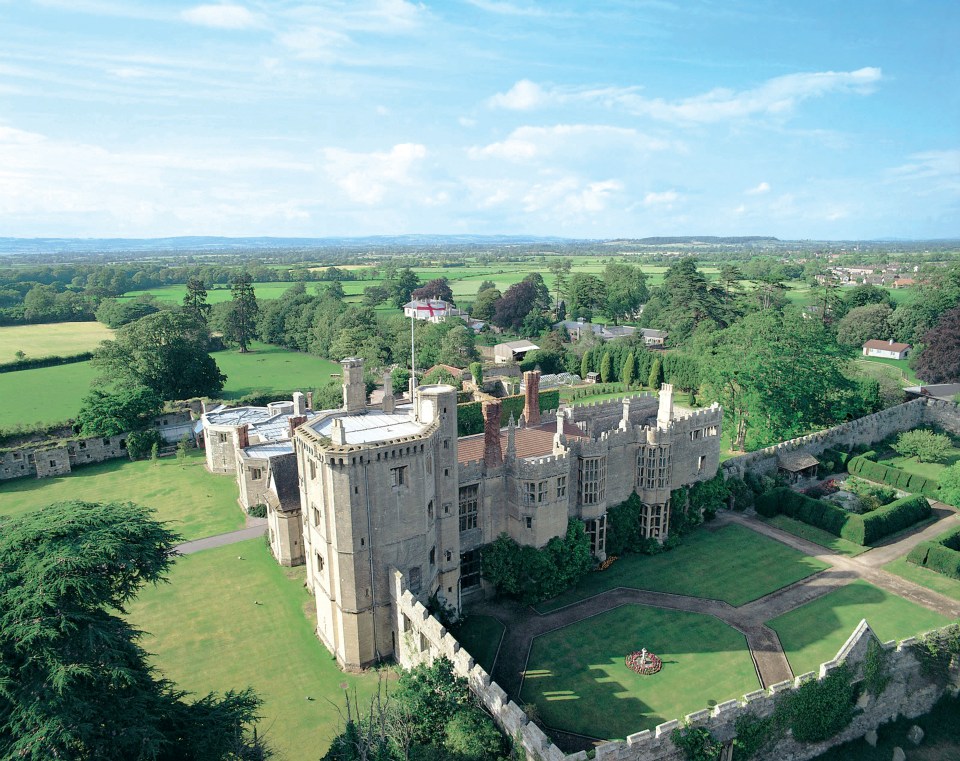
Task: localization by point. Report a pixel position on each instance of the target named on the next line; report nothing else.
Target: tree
(626, 290)
(656, 374)
(457, 346)
(585, 294)
(585, 365)
(939, 360)
(195, 299)
(864, 295)
(74, 681)
(518, 301)
(476, 370)
(485, 305)
(166, 352)
(374, 295)
(923, 444)
(438, 288)
(606, 368)
(114, 314)
(949, 480)
(123, 409)
(730, 277)
(863, 323)
(403, 287)
(560, 269)
(242, 316)
(629, 371)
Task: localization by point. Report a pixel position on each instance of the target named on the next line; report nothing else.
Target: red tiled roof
(528, 442)
(874, 343)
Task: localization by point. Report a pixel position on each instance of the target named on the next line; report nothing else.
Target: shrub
(823, 515)
(139, 443)
(257, 511)
(889, 519)
(30, 364)
(942, 554)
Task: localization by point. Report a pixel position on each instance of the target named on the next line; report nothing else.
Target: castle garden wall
(59, 458)
(909, 692)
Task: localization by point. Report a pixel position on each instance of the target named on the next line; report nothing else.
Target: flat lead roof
(371, 427)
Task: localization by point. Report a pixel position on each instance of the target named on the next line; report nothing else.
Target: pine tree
(241, 322)
(629, 370)
(656, 375)
(606, 368)
(585, 365)
(195, 300)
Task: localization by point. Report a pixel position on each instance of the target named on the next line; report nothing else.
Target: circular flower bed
(643, 662)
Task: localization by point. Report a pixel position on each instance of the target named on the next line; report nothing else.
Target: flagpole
(413, 361)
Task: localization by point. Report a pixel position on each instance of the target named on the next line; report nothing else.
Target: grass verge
(925, 577)
(816, 535)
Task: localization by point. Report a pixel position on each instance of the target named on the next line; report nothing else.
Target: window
(313, 470)
(319, 562)
(561, 486)
(53, 463)
(470, 569)
(256, 474)
(700, 461)
(415, 582)
(592, 480)
(529, 522)
(433, 556)
(535, 492)
(83, 445)
(597, 531)
(398, 476)
(469, 506)
(316, 516)
(222, 438)
(430, 510)
(448, 555)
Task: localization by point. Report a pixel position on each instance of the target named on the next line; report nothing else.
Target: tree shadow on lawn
(579, 681)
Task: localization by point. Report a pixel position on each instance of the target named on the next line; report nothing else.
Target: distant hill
(694, 239)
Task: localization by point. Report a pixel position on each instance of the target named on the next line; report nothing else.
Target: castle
(357, 491)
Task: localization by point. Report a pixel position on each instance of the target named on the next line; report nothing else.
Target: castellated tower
(378, 491)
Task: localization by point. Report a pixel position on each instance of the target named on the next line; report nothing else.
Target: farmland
(59, 338)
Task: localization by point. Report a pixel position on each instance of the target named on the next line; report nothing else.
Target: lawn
(59, 338)
(901, 368)
(910, 464)
(579, 682)
(480, 636)
(732, 563)
(925, 577)
(272, 368)
(813, 633)
(197, 503)
(44, 394)
(817, 535)
(225, 623)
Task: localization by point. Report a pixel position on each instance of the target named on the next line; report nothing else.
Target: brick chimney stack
(492, 454)
(295, 421)
(531, 402)
(243, 436)
(309, 400)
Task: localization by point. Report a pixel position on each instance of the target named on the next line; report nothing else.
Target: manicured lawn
(733, 564)
(198, 503)
(272, 368)
(579, 682)
(815, 632)
(43, 395)
(53, 339)
(925, 577)
(480, 636)
(925, 469)
(816, 535)
(225, 623)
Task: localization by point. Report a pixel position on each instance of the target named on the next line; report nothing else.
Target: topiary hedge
(940, 555)
(864, 466)
(803, 508)
(886, 520)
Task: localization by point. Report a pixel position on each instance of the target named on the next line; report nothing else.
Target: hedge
(860, 529)
(940, 555)
(470, 415)
(32, 363)
(864, 467)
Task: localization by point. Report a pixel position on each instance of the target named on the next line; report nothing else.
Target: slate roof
(796, 461)
(536, 441)
(875, 343)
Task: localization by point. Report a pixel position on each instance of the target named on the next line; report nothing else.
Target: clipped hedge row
(30, 364)
(470, 415)
(864, 467)
(940, 555)
(860, 529)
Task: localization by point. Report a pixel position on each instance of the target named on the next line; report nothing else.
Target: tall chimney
(354, 389)
(243, 436)
(492, 454)
(299, 403)
(665, 411)
(294, 422)
(388, 401)
(309, 400)
(531, 402)
(338, 434)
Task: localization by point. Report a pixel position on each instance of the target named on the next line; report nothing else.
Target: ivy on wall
(470, 415)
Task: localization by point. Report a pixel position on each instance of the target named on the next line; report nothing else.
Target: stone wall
(59, 458)
(594, 417)
(421, 638)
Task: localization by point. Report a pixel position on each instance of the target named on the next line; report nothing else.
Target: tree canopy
(939, 360)
(240, 325)
(111, 412)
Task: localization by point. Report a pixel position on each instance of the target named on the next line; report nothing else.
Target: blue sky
(814, 119)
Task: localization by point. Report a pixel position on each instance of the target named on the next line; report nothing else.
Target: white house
(431, 310)
(887, 349)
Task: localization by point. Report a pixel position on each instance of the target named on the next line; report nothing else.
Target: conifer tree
(656, 374)
(629, 371)
(241, 321)
(606, 368)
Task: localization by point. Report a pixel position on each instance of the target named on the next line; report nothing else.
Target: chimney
(309, 400)
(665, 412)
(338, 434)
(354, 389)
(492, 454)
(243, 436)
(625, 418)
(511, 439)
(388, 401)
(531, 402)
(295, 421)
(299, 403)
(891, 342)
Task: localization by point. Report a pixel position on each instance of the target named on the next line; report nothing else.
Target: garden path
(255, 527)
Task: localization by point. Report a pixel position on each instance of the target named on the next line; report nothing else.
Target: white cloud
(221, 16)
(763, 187)
(777, 96)
(508, 9)
(368, 177)
(465, 121)
(930, 165)
(527, 142)
(666, 198)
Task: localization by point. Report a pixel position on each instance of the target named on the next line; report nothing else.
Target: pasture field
(577, 677)
(52, 339)
(271, 368)
(196, 503)
(813, 633)
(44, 394)
(897, 368)
(232, 618)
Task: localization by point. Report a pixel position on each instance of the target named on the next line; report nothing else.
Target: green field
(732, 563)
(898, 368)
(577, 678)
(910, 464)
(813, 633)
(925, 577)
(272, 368)
(225, 623)
(59, 338)
(816, 535)
(196, 502)
(480, 636)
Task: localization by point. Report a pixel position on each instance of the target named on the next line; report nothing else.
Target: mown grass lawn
(223, 623)
(925, 577)
(480, 636)
(816, 535)
(196, 502)
(272, 368)
(732, 563)
(45, 394)
(577, 678)
(59, 338)
(813, 633)
(926, 469)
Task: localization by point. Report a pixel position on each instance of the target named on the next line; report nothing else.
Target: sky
(591, 119)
